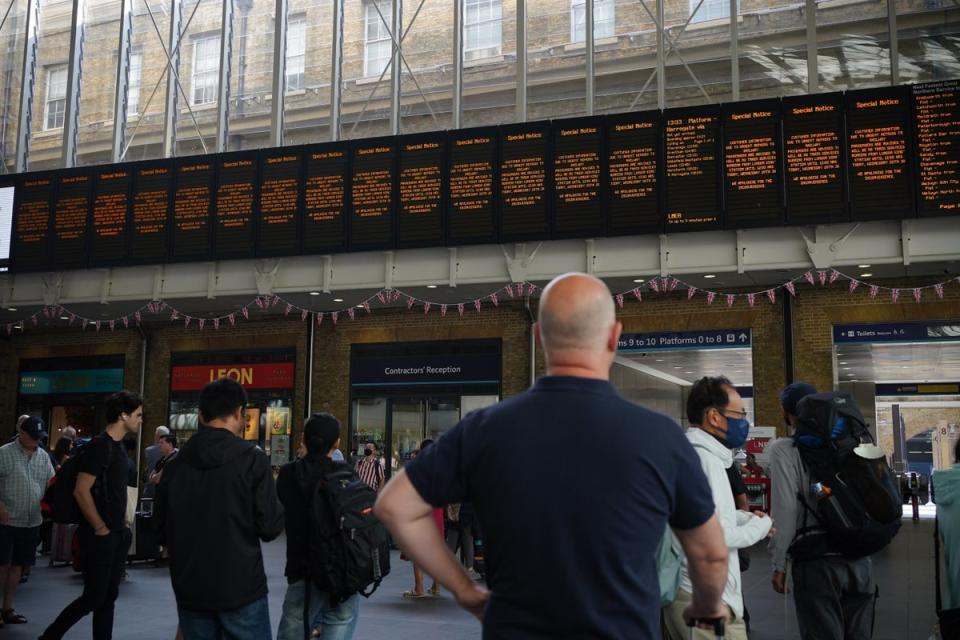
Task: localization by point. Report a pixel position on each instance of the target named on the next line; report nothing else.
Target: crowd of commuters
(569, 557)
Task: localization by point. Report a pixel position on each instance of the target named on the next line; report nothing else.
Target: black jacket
(295, 486)
(215, 503)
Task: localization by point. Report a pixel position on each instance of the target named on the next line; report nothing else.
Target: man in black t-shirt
(101, 493)
(572, 556)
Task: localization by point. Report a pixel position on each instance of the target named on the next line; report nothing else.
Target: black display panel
(577, 178)
(32, 218)
(111, 211)
(372, 190)
(634, 155)
(936, 108)
(753, 194)
(234, 210)
(192, 205)
(326, 198)
(813, 140)
(524, 174)
(878, 139)
(692, 158)
(71, 212)
(150, 221)
(423, 189)
(280, 191)
(473, 200)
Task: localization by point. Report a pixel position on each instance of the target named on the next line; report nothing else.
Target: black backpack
(348, 549)
(58, 502)
(854, 497)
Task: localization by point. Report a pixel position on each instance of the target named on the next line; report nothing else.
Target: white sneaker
(474, 575)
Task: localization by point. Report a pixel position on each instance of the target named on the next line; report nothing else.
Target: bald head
(20, 420)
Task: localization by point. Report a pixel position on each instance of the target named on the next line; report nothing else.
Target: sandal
(12, 617)
(435, 592)
(414, 594)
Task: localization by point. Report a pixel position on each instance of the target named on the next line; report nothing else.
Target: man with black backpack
(332, 538)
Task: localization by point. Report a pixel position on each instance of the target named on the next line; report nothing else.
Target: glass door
(369, 425)
(407, 418)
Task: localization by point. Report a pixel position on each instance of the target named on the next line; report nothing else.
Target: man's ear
(613, 344)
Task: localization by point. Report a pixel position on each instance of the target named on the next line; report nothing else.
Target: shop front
(268, 376)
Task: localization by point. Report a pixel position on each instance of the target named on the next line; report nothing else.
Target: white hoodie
(740, 529)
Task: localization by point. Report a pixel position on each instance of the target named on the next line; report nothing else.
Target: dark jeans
(460, 538)
(836, 598)
(102, 559)
(249, 622)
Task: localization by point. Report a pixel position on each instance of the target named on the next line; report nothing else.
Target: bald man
(569, 546)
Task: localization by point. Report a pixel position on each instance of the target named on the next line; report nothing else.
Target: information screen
(71, 208)
(634, 153)
(937, 110)
(7, 193)
(881, 184)
(473, 191)
(31, 231)
(577, 178)
(191, 209)
(279, 228)
(751, 164)
(111, 206)
(152, 184)
(692, 161)
(422, 191)
(814, 159)
(372, 194)
(524, 156)
(326, 194)
(236, 195)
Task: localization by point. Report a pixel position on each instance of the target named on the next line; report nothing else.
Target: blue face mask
(737, 430)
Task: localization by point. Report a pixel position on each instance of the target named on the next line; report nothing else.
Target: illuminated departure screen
(70, 208)
(524, 154)
(151, 212)
(191, 209)
(880, 179)
(751, 164)
(371, 219)
(279, 229)
(692, 158)
(325, 199)
(473, 192)
(577, 175)
(422, 190)
(936, 107)
(633, 154)
(32, 222)
(814, 159)
(236, 193)
(111, 204)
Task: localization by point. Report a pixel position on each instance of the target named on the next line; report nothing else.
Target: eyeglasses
(740, 415)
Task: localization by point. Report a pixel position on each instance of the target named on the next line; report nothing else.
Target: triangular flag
(808, 276)
(710, 297)
(750, 298)
(519, 289)
(84, 324)
(939, 289)
(476, 305)
(834, 274)
(426, 308)
(853, 286)
(691, 291)
(460, 308)
(275, 300)
(531, 289)
(126, 322)
(334, 315)
(351, 313)
(289, 308)
(410, 302)
(619, 298)
(233, 319)
(319, 319)
(395, 296)
(822, 275)
(33, 319)
(730, 299)
(443, 311)
(674, 284)
(792, 289)
(111, 325)
(494, 299)
(509, 290)
(917, 294)
(136, 315)
(895, 295)
(303, 314)
(772, 294)
(663, 284)
(46, 312)
(637, 294)
(655, 284)
(216, 324)
(246, 313)
(381, 298)
(366, 306)
(186, 321)
(201, 323)
(259, 302)
(174, 315)
(97, 325)
(874, 290)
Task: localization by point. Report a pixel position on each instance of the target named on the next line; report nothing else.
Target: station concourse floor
(146, 609)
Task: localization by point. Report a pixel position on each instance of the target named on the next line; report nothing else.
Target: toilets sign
(686, 340)
(904, 332)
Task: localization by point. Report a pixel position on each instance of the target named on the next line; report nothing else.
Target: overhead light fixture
(639, 281)
(11, 309)
(844, 363)
(688, 372)
(847, 368)
(709, 275)
(359, 306)
(64, 318)
(338, 299)
(314, 293)
(659, 360)
(431, 286)
(678, 367)
(866, 275)
(863, 266)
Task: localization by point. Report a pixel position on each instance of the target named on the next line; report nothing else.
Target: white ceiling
(690, 365)
(891, 363)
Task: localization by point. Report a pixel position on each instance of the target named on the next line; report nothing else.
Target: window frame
(301, 20)
(368, 44)
(61, 110)
(198, 41)
(705, 16)
(598, 5)
(131, 101)
(490, 48)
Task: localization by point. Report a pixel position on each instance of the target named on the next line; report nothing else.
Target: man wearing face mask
(718, 426)
(369, 467)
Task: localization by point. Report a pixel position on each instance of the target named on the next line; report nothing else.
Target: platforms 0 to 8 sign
(686, 340)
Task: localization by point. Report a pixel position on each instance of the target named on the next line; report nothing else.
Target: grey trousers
(836, 598)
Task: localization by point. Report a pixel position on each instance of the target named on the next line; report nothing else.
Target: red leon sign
(275, 375)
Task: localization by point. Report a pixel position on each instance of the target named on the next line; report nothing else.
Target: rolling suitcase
(718, 627)
(61, 544)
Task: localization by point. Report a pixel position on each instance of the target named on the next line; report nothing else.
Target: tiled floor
(145, 610)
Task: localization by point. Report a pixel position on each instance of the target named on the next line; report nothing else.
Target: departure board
(31, 229)
(692, 166)
(326, 194)
(473, 190)
(577, 178)
(422, 191)
(149, 232)
(111, 206)
(279, 225)
(814, 159)
(878, 139)
(71, 208)
(634, 153)
(936, 108)
(192, 202)
(751, 164)
(372, 194)
(524, 171)
(234, 211)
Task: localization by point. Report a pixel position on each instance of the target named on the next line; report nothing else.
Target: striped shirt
(370, 470)
(23, 479)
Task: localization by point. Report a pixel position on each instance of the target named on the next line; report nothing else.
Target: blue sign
(941, 331)
(71, 381)
(426, 370)
(686, 340)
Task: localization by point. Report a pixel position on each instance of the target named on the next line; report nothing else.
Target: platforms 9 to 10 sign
(882, 153)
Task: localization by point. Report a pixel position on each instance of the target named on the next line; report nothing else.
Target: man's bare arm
(707, 556)
(84, 497)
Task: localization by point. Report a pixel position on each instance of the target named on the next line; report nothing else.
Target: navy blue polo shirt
(573, 486)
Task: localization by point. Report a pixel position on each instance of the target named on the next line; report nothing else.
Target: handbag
(949, 619)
